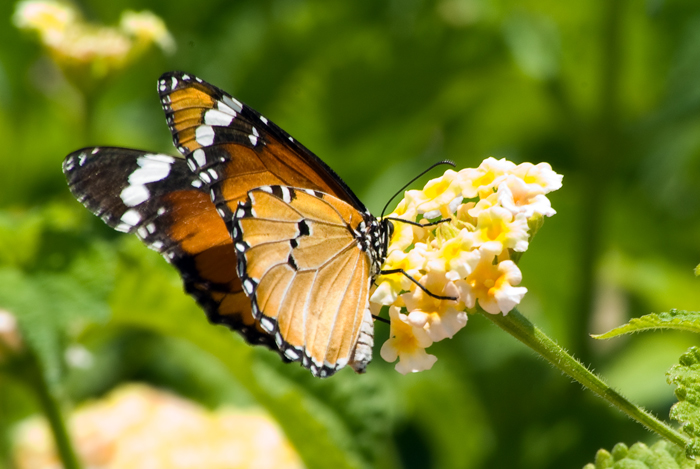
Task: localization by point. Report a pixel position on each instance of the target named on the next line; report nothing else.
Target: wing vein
(335, 317)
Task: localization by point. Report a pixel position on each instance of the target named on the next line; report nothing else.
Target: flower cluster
(493, 212)
(139, 427)
(74, 43)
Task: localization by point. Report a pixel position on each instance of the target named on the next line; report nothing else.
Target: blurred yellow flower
(50, 19)
(490, 213)
(138, 427)
(75, 44)
(147, 28)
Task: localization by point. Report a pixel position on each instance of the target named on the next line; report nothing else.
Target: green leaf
(20, 236)
(661, 455)
(49, 308)
(22, 297)
(686, 377)
(674, 319)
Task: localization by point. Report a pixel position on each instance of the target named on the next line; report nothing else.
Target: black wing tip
(77, 158)
(173, 80)
(177, 74)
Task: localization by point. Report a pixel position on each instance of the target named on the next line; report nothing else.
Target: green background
(606, 91)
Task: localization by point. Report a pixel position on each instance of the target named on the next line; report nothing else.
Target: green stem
(519, 327)
(52, 411)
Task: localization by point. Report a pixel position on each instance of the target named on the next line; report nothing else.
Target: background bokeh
(606, 91)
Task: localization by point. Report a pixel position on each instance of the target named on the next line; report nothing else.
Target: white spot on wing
(233, 103)
(267, 324)
(174, 84)
(215, 117)
(199, 157)
(248, 286)
(291, 354)
(134, 195)
(205, 177)
(253, 139)
(131, 217)
(285, 194)
(204, 135)
(196, 183)
(224, 108)
(263, 119)
(152, 168)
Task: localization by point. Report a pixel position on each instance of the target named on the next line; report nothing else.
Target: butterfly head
(377, 235)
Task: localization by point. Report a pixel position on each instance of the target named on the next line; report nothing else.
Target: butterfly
(267, 238)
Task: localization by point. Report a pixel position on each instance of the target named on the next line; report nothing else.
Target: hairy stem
(519, 327)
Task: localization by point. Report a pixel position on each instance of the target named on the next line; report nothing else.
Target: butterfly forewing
(234, 149)
(158, 198)
(303, 265)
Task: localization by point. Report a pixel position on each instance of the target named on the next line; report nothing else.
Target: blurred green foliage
(607, 91)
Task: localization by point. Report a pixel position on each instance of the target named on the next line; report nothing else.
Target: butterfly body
(267, 238)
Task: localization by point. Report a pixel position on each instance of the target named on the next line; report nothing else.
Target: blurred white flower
(10, 338)
(97, 50)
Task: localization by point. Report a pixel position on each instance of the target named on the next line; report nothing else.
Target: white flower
(441, 319)
(408, 344)
(499, 229)
(492, 285)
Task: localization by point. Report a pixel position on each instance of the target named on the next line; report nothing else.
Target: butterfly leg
(428, 292)
(444, 220)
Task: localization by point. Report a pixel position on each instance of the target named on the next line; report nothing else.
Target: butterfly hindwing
(158, 198)
(302, 262)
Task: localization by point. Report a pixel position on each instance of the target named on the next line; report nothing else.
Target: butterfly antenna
(451, 163)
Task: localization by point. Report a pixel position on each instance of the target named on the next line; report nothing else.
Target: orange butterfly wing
(158, 198)
(302, 264)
